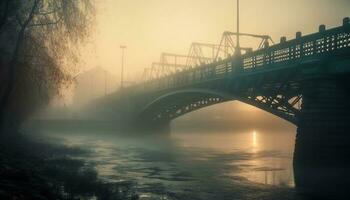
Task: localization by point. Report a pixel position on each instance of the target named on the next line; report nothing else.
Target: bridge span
(273, 78)
(305, 81)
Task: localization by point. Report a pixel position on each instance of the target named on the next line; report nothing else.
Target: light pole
(105, 82)
(238, 47)
(238, 23)
(122, 47)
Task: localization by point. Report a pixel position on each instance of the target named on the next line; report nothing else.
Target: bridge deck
(325, 44)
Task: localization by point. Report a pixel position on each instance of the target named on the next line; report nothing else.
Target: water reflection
(255, 141)
(196, 165)
(269, 154)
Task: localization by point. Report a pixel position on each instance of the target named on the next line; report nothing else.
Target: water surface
(248, 164)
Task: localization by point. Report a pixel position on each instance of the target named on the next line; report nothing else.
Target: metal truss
(200, 54)
(228, 48)
(281, 98)
(268, 93)
(203, 53)
(174, 109)
(279, 105)
(271, 78)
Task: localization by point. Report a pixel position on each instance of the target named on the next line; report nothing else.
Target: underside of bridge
(278, 93)
(169, 107)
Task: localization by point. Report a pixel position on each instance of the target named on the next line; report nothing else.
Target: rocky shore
(35, 169)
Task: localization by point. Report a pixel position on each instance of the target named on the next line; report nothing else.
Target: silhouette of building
(93, 84)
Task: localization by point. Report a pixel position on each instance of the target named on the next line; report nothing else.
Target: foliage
(39, 42)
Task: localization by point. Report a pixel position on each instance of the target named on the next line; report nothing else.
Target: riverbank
(35, 168)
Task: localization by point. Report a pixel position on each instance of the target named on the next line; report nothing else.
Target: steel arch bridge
(304, 81)
(273, 77)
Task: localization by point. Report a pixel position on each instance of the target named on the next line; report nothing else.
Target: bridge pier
(322, 149)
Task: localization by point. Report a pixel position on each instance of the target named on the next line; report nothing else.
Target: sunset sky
(149, 27)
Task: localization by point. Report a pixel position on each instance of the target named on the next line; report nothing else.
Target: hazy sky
(149, 27)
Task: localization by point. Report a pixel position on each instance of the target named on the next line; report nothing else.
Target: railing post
(335, 43)
(321, 28)
(298, 36)
(346, 21)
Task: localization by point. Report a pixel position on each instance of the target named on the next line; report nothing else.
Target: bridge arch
(171, 105)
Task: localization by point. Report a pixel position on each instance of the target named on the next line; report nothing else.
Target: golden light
(254, 140)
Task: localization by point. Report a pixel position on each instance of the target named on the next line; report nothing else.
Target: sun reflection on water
(252, 154)
(255, 141)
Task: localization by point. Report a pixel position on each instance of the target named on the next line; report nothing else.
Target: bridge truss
(201, 54)
(271, 77)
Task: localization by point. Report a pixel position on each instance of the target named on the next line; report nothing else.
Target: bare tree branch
(48, 12)
(31, 14)
(46, 23)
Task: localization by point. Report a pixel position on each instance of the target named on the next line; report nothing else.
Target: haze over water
(231, 152)
(242, 164)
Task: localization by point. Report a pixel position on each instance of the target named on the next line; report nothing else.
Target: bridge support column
(322, 149)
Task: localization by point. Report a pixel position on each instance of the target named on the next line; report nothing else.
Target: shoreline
(33, 168)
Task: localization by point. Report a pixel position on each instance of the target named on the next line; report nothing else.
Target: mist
(153, 27)
(176, 100)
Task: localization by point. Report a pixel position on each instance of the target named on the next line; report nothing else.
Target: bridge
(304, 81)
(273, 78)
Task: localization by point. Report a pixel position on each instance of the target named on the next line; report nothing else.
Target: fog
(149, 28)
(71, 128)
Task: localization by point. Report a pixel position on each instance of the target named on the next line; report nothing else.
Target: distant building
(93, 84)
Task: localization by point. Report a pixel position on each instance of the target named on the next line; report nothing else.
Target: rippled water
(251, 164)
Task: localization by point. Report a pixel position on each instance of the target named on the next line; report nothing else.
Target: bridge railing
(317, 45)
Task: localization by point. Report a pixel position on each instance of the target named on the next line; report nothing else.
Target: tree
(39, 39)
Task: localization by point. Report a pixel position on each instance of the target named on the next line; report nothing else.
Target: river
(245, 164)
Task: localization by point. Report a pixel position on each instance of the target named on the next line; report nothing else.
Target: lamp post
(238, 47)
(105, 73)
(122, 47)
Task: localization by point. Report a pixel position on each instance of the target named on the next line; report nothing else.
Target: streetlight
(238, 23)
(238, 48)
(105, 71)
(122, 47)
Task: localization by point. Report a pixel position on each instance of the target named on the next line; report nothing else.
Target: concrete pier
(322, 150)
